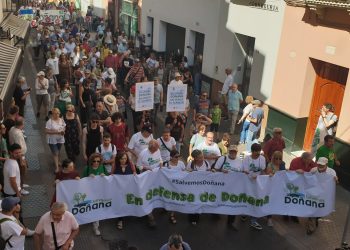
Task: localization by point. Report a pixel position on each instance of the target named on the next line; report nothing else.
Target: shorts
(55, 148)
(214, 127)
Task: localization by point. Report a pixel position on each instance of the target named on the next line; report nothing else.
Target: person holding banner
(197, 164)
(150, 159)
(95, 167)
(123, 166)
(140, 141)
(254, 165)
(210, 149)
(166, 145)
(226, 164)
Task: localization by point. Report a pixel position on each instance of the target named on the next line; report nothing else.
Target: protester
(123, 166)
(12, 231)
(166, 144)
(210, 149)
(276, 143)
(94, 168)
(72, 133)
(175, 242)
(327, 151)
(254, 165)
(108, 152)
(56, 228)
(234, 101)
(255, 119)
(55, 130)
(139, 142)
(246, 112)
(42, 96)
(21, 95)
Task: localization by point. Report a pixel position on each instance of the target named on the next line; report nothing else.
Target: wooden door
(329, 88)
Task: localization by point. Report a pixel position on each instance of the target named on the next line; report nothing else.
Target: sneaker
(120, 225)
(269, 222)
(30, 233)
(24, 192)
(256, 225)
(25, 185)
(97, 231)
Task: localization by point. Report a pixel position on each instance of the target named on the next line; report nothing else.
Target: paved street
(211, 232)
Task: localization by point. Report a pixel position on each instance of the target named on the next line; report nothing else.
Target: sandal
(120, 225)
(172, 219)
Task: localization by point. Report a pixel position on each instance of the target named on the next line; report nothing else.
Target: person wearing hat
(42, 95)
(255, 119)
(177, 80)
(109, 73)
(12, 231)
(276, 143)
(111, 104)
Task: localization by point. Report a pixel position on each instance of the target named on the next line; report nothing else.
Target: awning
(17, 26)
(10, 62)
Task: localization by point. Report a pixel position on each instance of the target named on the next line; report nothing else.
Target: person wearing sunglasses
(94, 168)
(92, 136)
(276, 164)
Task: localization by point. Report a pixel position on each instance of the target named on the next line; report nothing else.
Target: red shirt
(298, 163)
(110, 62)
(275, 144)
(119, 134)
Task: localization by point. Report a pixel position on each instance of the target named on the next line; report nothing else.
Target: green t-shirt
(329, 153)
(89, 170)
(216, 115)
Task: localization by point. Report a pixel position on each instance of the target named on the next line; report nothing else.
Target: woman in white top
(175, 165)
(76, 56)
(246, 112)
(55, 128)
(42, 95)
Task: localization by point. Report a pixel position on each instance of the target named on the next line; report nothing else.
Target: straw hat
(110, 100)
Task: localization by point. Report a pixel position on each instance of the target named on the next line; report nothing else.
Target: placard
(176, 98)
(144, 96)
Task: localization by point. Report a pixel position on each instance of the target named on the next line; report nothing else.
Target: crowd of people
(86, 93)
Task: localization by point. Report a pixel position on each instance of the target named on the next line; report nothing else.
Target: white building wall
(196, 15)
(266, 27)
(1, 11)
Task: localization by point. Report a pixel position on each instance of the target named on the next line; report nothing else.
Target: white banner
(51, 16)
(286, 193)
(176, 98)
(144, 96)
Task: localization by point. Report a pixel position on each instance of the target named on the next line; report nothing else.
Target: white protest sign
(286, 193)
(176, 98)
(144, 96)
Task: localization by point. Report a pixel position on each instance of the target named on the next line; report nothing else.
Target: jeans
(251, 138)
(244, 132)
(155, 111)
(233, 117)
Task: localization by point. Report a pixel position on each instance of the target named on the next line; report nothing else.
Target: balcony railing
(322, 3)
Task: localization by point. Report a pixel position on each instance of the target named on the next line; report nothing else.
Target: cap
(84, 57)
(110, 51)
(233, 148)
(322, 161)
(177, 74)
(9, 203)
(41, 73)
(256, 102)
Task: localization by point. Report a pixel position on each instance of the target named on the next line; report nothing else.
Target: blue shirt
(258, 114)
(234, 100)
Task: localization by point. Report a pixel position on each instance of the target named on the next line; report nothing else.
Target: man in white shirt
(166, 144)
(140, 141)
(150, 157)
(209, 148)
(12, 231)
(254, 165)
(108, 151)
(322, 168)
(177, 79)
(52, 63)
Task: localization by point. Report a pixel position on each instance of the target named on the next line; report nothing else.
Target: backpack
(100, 149)
(3, 242)
(223, 163)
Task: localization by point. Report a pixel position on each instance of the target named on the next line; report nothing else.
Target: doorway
(175, 40)
(329, 87)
